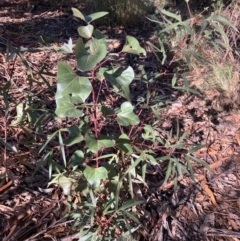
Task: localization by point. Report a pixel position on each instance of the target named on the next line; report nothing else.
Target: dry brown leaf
(208, 191)
(238, 203)
(219, 162)
(6, 186)
(237, 136)
(54, 231)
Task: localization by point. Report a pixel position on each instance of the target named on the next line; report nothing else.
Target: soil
(205, 209)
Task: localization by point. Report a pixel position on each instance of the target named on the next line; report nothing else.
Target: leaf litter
(207, 209)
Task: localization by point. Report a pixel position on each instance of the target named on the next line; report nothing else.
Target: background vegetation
(107, 132)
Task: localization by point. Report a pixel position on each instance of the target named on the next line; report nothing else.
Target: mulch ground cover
(205, 209)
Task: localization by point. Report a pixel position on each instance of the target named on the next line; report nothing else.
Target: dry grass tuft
(125, 13)
(232, 13)
(219, 79)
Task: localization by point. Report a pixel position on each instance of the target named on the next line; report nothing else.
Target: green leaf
(65, 107)
(66, 184)
(69, 82)
(86, 31)
(172, 15)
(66, 48)
(129, 204)
(132, 46)
(149, 134)
(124, 144)
(95, 175)
(203, 26)
(74, 137)
(8, 146)
(7, 86)
(187, 26)
(25, 62)
(198, 57)
(95, 145)
(48, 140)
(101, 73)
(71, 89)
(78, 14)
(169, 170)
(126, 116)
(170, 27)
(98, 35)
(222, 20)
(150, 158)
(90, 54)
(121, 79)
(89, 18)
(174, 80)
(203, 163)
(196, 148)
(94, 16)
(135, 163)
(107, 111)
(76, 159)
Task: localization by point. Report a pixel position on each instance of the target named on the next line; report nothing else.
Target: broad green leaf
(98, 35)
(121, 79)
(90, 54)
(95, 175)
(132, 46)
(107, 111)
(69, 82)
(126, 116)
(78, 14)
(89, 18)
(76, 159)
(93, 16)
(95, 145)
(65, 107)
(101, 73)
(86, 31)
(66, 184)
(74, 136)
(124, 144)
